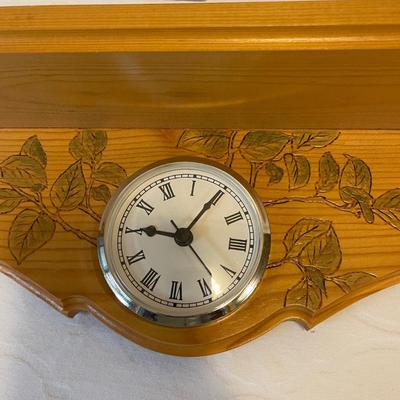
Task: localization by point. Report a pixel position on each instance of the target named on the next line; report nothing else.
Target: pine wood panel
(362, 251)
(286, 65)
(210, 90)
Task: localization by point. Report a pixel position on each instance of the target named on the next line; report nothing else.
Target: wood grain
(65, 272)
(293, 65)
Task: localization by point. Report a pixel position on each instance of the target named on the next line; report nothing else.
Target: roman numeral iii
(145, 206)
(205, 289)
(230, 219)
(176, 290)
(167, 191)
(237, 244)
(150, 279)
(137, 257)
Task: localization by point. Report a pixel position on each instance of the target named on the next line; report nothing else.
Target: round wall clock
(184, 242)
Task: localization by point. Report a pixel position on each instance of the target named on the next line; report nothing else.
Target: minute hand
(206, 206)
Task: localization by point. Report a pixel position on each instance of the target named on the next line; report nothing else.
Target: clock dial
(183, 242)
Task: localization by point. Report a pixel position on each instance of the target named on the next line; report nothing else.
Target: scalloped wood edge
(72, 305)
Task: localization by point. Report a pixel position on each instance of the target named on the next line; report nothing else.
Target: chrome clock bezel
(134, 304)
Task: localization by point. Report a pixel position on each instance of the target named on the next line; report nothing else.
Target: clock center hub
(183, 237)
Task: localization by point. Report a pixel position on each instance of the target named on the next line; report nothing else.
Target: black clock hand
(206, 206)
(201, 261)
(152, 231)
(194, 251)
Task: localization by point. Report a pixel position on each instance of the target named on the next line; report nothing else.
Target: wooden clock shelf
(300, 98)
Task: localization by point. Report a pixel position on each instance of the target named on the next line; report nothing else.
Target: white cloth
(46, 356)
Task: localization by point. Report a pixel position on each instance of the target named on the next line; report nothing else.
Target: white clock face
(184, 239)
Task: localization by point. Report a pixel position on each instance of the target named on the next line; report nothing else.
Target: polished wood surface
(340, 185)
(292, 65)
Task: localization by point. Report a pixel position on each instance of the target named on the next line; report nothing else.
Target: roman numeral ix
(150, 279)
(230, 219)
(167, 191)
(176, 290)
(237, 244)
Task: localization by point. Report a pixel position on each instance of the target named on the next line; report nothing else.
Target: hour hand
(152, 231)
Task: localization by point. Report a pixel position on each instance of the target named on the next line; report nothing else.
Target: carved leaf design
(69, 189)
(355, 174)
(317, 278)
(274, 172)
(262, 146)
(209, 142)
(328, 173)
(88, 145)
(101, 193)
(312, 140)
(314, 243)
(109, 172)
(362, 198)
(24, 172)
(30, 230)
(387, 207)
(353, 280)
(9, 200)
(303, 294)
(298, 169)
(33, 148)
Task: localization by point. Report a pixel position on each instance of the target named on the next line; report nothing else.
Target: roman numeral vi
(176, 290)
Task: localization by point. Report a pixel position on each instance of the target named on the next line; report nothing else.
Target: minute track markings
(164, 299)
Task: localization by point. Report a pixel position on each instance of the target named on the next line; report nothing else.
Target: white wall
(43, 355)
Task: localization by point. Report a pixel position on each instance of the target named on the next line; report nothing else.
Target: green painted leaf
(9, 200)
(23, 172)
(317, 278)
(303, 294)
(328, 173)
(33, 148)
(314, 243)
(101, 193)
(302, 233)
(389, 200)
(274, 172)
(88, 145)
(354, 280)
(209, 142)
(29, 231)
(387, 207)
(109, 172)
(360, 197)
(312, 140)
(69, 189)
(298, 169)
(355, 174)
(262, 146)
